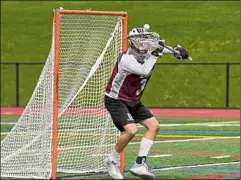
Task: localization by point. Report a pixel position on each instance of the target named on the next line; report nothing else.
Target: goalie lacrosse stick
(174, 51)
(147, 26)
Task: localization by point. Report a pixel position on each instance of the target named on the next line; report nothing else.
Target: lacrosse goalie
(123, 97)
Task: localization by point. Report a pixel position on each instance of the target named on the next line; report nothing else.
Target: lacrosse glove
(182, 53)
(157, 52)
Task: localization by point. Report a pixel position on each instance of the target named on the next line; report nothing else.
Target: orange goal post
(65, 126)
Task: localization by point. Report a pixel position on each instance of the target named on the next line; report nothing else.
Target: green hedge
(210, 30)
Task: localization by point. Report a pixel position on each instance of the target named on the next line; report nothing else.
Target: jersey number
(143, 84)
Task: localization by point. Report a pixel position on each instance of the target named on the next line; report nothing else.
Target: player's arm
(130, 64)
(168, 50)
(178, 51)
(165, 49)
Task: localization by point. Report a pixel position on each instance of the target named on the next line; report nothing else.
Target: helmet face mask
(142, 43)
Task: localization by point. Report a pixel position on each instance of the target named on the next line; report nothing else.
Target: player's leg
(125, 123)
(152, 128)
(112, 161)
(125, 137)
(145, 117)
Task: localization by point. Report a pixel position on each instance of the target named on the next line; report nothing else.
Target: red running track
(162, 112)
(216, 176)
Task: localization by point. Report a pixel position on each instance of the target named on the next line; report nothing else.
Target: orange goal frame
(57, 14)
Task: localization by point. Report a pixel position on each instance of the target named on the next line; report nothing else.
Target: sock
(141, 159)
(145, 147)
(114, 155)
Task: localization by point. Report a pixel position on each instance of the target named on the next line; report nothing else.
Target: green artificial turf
(181, 153)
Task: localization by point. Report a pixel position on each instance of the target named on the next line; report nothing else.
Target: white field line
(220, 157)
(4, 133)
(161, 155)
(220, 125)
(194, 124)
(12, 122)
(175, 141)
(194, 166)
(139, 126)
(156, 142)
(171, 141)
(189, 140)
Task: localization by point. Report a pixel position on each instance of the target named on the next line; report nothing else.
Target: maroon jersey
(129, 78)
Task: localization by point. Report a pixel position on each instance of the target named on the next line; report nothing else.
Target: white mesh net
(89, 47)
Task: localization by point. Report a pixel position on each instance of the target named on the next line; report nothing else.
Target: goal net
(85, 47)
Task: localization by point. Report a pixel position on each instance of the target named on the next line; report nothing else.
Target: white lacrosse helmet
(137, 31)
(142, 41)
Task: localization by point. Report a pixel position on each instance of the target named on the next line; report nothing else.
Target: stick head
(143, 41)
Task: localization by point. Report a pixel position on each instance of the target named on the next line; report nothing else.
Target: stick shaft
(174, 51)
